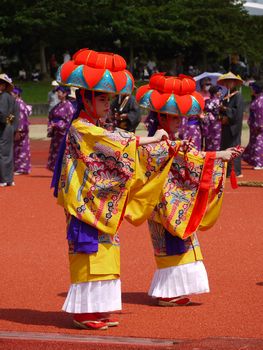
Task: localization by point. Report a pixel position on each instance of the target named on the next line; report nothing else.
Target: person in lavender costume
(191, 128)
(58, 121)
(211, 125)
(22, 156)
(253, 153)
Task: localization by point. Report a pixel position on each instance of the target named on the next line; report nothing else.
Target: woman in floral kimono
(192, 126)
(191, 196)
(59, 119)
(92, 180)
(253, 153)
(211, 122)
(22, 156)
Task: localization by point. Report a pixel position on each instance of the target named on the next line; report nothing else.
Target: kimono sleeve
(97, 170)
(187, 193)
(153, 164)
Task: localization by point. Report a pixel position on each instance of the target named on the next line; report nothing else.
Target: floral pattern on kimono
(22, 156)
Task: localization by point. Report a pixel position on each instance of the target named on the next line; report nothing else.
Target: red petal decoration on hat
(176, 86)
(86, 57)
(77, 53)
(66, 70)
(187, 86)
(158, 100)
(104, 61)
(130, 75)
(168, 84)
(141, 91)
(156, 81)
(120, 80)
(92, 75)
(184, 103)
(199, 98)
(119, 63)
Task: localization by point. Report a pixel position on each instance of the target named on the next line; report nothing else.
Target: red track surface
(35, 278)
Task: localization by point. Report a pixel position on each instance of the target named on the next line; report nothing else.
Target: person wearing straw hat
(9, 118)
(232, 117)
(191, 195)
(22, 156)
(52, 96)
(94, 173)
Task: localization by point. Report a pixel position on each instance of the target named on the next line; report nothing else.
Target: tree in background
(202, 31)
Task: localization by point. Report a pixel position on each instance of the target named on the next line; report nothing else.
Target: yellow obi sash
(103, 265)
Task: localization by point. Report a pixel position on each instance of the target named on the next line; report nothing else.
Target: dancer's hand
(187, 145)
(160, 135)
(230, 153)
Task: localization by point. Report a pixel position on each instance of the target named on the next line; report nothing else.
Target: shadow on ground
(37, 317)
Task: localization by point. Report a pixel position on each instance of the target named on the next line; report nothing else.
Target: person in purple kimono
(211, 123)
(190, 129)
(253, 153)
(58, 121)
(22, 156)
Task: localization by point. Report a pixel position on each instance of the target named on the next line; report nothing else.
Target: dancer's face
(170, 123)
(102, 103)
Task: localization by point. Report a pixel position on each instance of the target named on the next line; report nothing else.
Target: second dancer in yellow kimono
(191, 197)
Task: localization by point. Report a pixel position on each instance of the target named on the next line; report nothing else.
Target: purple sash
(83, 236)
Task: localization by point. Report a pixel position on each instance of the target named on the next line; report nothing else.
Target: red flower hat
(97, 71)
(171, 95)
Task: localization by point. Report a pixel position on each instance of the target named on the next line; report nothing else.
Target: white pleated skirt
(179, 280)
(88, 297)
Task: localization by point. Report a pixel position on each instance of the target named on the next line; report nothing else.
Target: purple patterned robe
(58, 121)
(253, 153)
(211, 126)
(191, 129)
(22, 156)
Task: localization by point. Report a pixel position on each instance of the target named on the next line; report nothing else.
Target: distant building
(254, 8)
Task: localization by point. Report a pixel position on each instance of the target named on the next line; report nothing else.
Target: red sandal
(89, 321)
(106, 318)
(178, 301)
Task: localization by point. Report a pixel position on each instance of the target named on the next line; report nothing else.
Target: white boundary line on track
(57, 337)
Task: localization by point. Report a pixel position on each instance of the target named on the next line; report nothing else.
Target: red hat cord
(92, 113)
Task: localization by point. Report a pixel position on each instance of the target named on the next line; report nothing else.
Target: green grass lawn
(34, 92)
(37, 92)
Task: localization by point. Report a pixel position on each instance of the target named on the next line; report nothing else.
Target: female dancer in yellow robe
(93, 177)
(191, 196)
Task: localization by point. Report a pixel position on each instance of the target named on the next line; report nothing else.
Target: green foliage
(201, 29)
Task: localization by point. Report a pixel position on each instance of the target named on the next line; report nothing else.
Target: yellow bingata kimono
(98, 170)
(190, 199)
(191, 194)
(104, 176)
